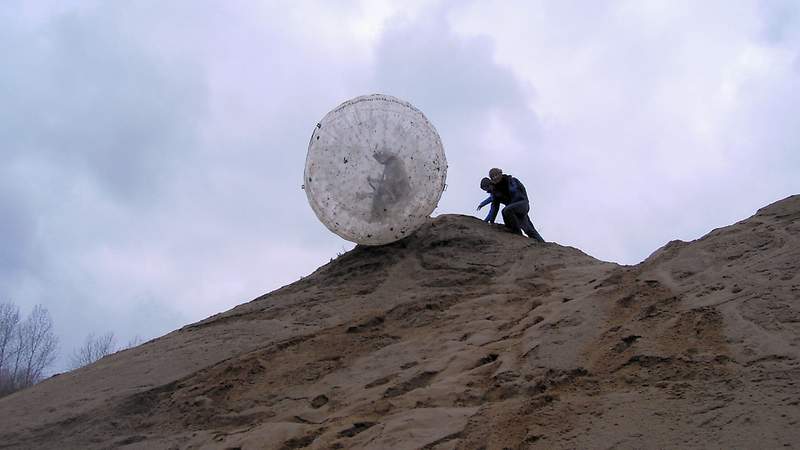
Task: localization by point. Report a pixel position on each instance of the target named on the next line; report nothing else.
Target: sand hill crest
(463, 336)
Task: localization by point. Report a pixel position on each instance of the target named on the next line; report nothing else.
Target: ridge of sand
(464, 336)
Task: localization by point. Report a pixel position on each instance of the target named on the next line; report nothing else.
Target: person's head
(382, 156)
(495, 175)
(486, 184)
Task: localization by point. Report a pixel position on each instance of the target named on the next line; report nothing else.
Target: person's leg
(530, 230)
(513, 215)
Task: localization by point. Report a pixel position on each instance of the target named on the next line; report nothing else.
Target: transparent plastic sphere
(375, 169)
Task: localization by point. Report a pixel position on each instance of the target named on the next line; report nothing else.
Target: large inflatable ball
(375, 169)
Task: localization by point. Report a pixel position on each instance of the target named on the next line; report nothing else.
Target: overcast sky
(152, 152)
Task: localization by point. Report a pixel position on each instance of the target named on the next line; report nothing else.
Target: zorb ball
(375, 169)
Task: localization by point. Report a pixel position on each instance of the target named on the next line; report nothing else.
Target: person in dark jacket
(507, 190)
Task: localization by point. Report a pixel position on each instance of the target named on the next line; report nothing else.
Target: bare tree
(9, 321)
(40, 345)
(94, 348)
(27, 348)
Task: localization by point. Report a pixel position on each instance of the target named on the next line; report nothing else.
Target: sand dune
(464, 336)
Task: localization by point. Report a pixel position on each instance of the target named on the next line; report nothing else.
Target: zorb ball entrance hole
(375, 169)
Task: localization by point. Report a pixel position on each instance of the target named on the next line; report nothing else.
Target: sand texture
(463, 336)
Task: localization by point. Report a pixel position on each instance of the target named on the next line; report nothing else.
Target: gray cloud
(152, 154)
(463, 91)
(86, 97)
(16, 234)
(779, 22)
(651, 116)
(153, 161)
(454, 78)
(96, 125)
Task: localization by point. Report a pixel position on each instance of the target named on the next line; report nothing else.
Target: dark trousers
(515, 215)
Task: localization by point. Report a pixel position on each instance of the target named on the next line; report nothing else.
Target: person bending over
(507, 190)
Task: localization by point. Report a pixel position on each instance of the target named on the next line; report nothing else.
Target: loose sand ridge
(464, 336)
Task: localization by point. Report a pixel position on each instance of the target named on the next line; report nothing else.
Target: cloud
(153, 152)
(94, 125)
(153, 156)
(87, 98)
(651, 113)
(479, 107)
(16, 234)
(779, 21)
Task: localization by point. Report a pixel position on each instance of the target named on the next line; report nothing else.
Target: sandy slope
(464, 336)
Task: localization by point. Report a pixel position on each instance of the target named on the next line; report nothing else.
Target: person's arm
(485, 202)
(493, 211)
